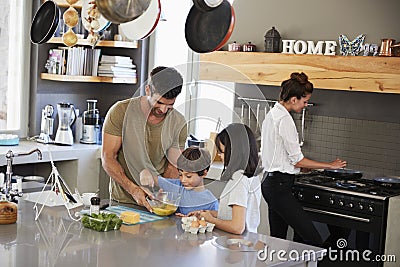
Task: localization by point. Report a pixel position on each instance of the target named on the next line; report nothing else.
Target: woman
(282, 159)
(239, 207)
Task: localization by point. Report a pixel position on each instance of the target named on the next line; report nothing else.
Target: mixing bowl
(164, 203)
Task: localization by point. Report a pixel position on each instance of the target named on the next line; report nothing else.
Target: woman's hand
(337, 164)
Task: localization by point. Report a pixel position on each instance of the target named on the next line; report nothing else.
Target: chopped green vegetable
(102, 222)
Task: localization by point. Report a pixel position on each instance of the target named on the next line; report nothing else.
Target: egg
(195, 224)
(202, 222)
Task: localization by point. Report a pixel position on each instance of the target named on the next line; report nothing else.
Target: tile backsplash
(369, 146)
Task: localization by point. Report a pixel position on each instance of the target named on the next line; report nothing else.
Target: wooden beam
(350, 73)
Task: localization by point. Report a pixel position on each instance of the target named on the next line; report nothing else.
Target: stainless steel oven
(351, 216)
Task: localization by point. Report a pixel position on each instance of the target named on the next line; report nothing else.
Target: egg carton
(187, 226)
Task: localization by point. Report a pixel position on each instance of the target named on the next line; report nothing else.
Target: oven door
(348, 230)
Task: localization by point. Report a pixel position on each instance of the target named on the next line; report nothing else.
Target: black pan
(388, 181)
(45, 22)
(209, 31)
(345, 174)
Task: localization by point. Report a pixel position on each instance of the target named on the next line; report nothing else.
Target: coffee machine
(46, 125)
(91, 123)
(66, 118)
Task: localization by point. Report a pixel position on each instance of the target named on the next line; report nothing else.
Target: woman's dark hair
(166, 82)
(194, 159)
(298, 86)
(240, 150)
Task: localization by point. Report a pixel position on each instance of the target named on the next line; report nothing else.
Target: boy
(193, 165)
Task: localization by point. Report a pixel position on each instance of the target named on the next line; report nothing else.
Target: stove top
(361, 187)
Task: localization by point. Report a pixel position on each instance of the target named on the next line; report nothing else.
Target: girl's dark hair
(166, 82)
(194, 159)
(240, 150)
(298, 86)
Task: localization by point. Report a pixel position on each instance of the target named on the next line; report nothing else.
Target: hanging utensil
(45, 22)
(242, 113)
(121, 11)
(144, 25)
(209, 31)
(257, 115)
(303, 113)
(219, 122)
(249, 124)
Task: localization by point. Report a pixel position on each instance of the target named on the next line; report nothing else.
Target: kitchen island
(56, 240)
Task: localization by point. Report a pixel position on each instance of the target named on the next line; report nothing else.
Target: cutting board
(145, 216)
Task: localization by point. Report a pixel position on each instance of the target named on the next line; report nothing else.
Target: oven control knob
(300, 196)
(360, 206)
(341, 203)
(371, 208)
(351, 205)
(331, 201)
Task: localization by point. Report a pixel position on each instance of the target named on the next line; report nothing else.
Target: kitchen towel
(145, 216)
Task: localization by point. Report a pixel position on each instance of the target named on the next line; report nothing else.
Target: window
(14, 76)
(202, 102)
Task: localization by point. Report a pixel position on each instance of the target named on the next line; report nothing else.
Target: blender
(66, 118)
(91, 123)
(46, 125)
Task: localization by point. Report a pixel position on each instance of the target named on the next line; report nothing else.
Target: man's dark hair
(194, 159)
(166, 82)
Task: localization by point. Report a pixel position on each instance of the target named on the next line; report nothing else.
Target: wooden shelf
(89, 79)
(350, 73)
(106, 43)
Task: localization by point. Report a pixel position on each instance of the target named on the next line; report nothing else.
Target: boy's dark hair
(165, 81)
(240, 150)
(194, 159)
(298, 85)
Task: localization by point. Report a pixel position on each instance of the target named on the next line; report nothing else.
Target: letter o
(297, 45)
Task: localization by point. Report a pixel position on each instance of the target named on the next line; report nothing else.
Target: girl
(239, 207)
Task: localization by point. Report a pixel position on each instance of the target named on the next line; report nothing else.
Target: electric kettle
(66, 118)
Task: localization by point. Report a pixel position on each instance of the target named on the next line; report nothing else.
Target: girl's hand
(207, 215)
(194, 213)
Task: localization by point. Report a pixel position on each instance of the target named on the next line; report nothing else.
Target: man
(144, 132)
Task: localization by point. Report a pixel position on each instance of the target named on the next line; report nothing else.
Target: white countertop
(57, 152)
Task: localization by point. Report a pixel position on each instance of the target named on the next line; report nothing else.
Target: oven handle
(337, 214)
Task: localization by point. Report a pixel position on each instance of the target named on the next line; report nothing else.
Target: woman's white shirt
(280, 149)
(244, 192)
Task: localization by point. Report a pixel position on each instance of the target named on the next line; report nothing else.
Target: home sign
(309, 47)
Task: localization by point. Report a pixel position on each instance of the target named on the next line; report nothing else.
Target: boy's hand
(146, 178)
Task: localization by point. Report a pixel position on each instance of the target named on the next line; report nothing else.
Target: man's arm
(170, 170)
(110, 148)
